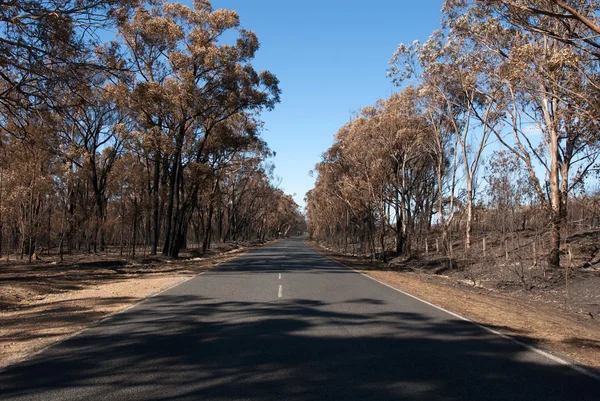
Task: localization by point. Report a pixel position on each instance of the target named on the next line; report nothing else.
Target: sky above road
(331, 57)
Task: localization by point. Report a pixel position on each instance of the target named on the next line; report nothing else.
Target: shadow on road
(265, 351)
(184, 347)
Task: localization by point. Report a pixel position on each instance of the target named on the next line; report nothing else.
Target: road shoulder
(530, 323)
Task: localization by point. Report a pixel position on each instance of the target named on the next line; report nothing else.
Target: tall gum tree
(203, 83)
(468, 68)
(357, 189)
(438, 101)
(545, 82)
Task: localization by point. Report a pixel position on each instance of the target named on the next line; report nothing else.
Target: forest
(487, 154)
(130, 127)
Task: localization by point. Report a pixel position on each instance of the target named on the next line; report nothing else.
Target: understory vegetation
(130, 123)
(486, 159)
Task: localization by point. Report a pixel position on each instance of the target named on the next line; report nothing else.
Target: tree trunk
(155, 214)
(555, 198)
(170, 206)
(399, 237)
(469, 226)
(208, 230)
(99, 197)
(135, 228)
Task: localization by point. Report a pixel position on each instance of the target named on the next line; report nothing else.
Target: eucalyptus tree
(509, 189)
(358, 185)
(404, 142)
(338, 206)
(239, 193)
(143, 134)
(547, 85)
(27, 181)
(90, 135)
(576, 24)
(46, 44)
(188, 83)
(231, 139)
(442, 104)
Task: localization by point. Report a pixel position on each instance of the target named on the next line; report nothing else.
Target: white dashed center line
(279, 276)
(280, 293)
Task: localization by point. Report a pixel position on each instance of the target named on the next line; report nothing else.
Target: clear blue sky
(331, 58)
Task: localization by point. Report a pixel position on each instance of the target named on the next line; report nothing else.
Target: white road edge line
(280, 292)
(538, 351)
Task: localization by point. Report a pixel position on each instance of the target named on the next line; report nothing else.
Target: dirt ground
(44, 302)
(533, 317)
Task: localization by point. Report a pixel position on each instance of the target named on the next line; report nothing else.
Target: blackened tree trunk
(208, 228)
(155, 211)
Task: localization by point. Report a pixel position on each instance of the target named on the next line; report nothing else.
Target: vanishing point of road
(285, 323)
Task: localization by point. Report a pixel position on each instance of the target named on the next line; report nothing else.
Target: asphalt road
(284, 323)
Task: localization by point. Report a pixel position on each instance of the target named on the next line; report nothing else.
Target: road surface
(284, 323)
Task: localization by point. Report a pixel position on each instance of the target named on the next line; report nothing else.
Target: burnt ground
(509, 267)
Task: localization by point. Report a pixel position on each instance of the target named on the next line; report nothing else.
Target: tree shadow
(192, 344)
(583, 342)
(60, 314)
(182, 347)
